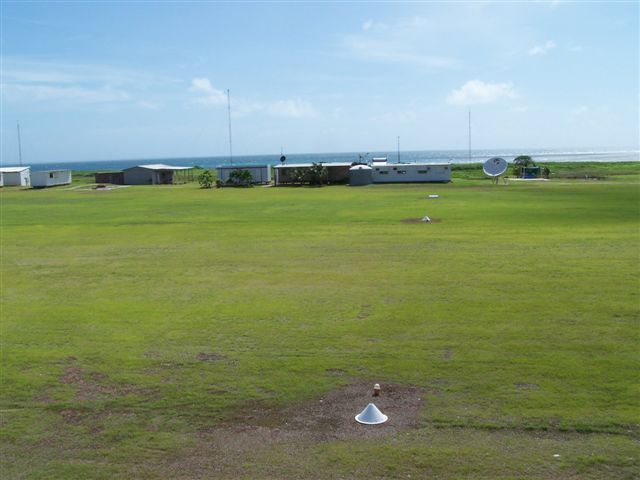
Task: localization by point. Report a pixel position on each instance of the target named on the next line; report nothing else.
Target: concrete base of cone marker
(371, 416)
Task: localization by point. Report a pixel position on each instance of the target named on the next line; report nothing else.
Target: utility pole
(229, 112)
(19, 145)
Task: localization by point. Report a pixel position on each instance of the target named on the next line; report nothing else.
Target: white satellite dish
(495, 167)
(371, 415)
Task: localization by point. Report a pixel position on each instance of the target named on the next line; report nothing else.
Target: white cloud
(542, 49)
(373, 25)
(240, 107)
(477, 91)
(147, 105)
(291, 108)
(209, 94)
(295, 108)
(74, 84)
(43, 93)
(406, 41)
(581, 110)
(18, 70)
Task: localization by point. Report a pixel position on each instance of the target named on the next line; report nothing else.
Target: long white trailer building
(410, 172)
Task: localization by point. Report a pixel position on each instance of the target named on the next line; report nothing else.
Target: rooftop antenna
(469, 135)
(398, 149)
(229, 112)
(19, 145)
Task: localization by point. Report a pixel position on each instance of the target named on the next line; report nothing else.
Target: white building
(410, 172)
(18, 176)
(50, 178)
(259, 173)
(155, 174)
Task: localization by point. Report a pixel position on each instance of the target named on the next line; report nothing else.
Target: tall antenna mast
(398, 149)
(19, 145)
(469, 135)
(229, 112)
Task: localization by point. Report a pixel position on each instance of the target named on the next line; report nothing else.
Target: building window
(401, 172)
(446, 168)
(50, 174)
(384, 173)
(423, 171)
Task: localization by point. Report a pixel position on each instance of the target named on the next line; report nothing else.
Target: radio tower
(229, 112)
(19, 145)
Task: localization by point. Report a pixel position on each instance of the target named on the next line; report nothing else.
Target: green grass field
(141, 326)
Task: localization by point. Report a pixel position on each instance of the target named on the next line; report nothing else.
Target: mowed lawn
(136, 319)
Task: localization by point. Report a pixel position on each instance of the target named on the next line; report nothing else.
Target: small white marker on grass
(371, 415)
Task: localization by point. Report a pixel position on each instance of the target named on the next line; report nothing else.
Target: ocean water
(452, 156)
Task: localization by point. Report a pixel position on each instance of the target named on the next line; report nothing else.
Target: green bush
(206, 179)
(520, 162)
(240, 178)
(317, 174)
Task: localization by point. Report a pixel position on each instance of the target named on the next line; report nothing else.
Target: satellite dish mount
(495, 168)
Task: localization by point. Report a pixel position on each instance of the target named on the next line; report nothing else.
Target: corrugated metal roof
(234, 167)
(414, 164)
(302, 165)
(360, 167)
(162, 166)
(13, 169)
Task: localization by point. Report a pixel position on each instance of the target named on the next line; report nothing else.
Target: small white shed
(50, 178)
(16, 176)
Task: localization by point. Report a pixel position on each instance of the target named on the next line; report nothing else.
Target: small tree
(205, 179)
(240, 178)
(298, 175)
(546, 172)
(317, 174)
(520, 162)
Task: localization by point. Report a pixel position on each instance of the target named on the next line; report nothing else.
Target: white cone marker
(371, 416)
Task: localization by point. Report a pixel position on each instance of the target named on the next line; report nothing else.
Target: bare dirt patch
(254, 428)
(210, 357)
(365, 311)
(447, 354)
(526, 386)
(419, 220)
(91, 386)
(329, 417)
(72, 416)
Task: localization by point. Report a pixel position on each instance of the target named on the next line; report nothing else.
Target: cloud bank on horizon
(314, 78)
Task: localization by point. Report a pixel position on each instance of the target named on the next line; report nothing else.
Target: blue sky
(112, 80)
